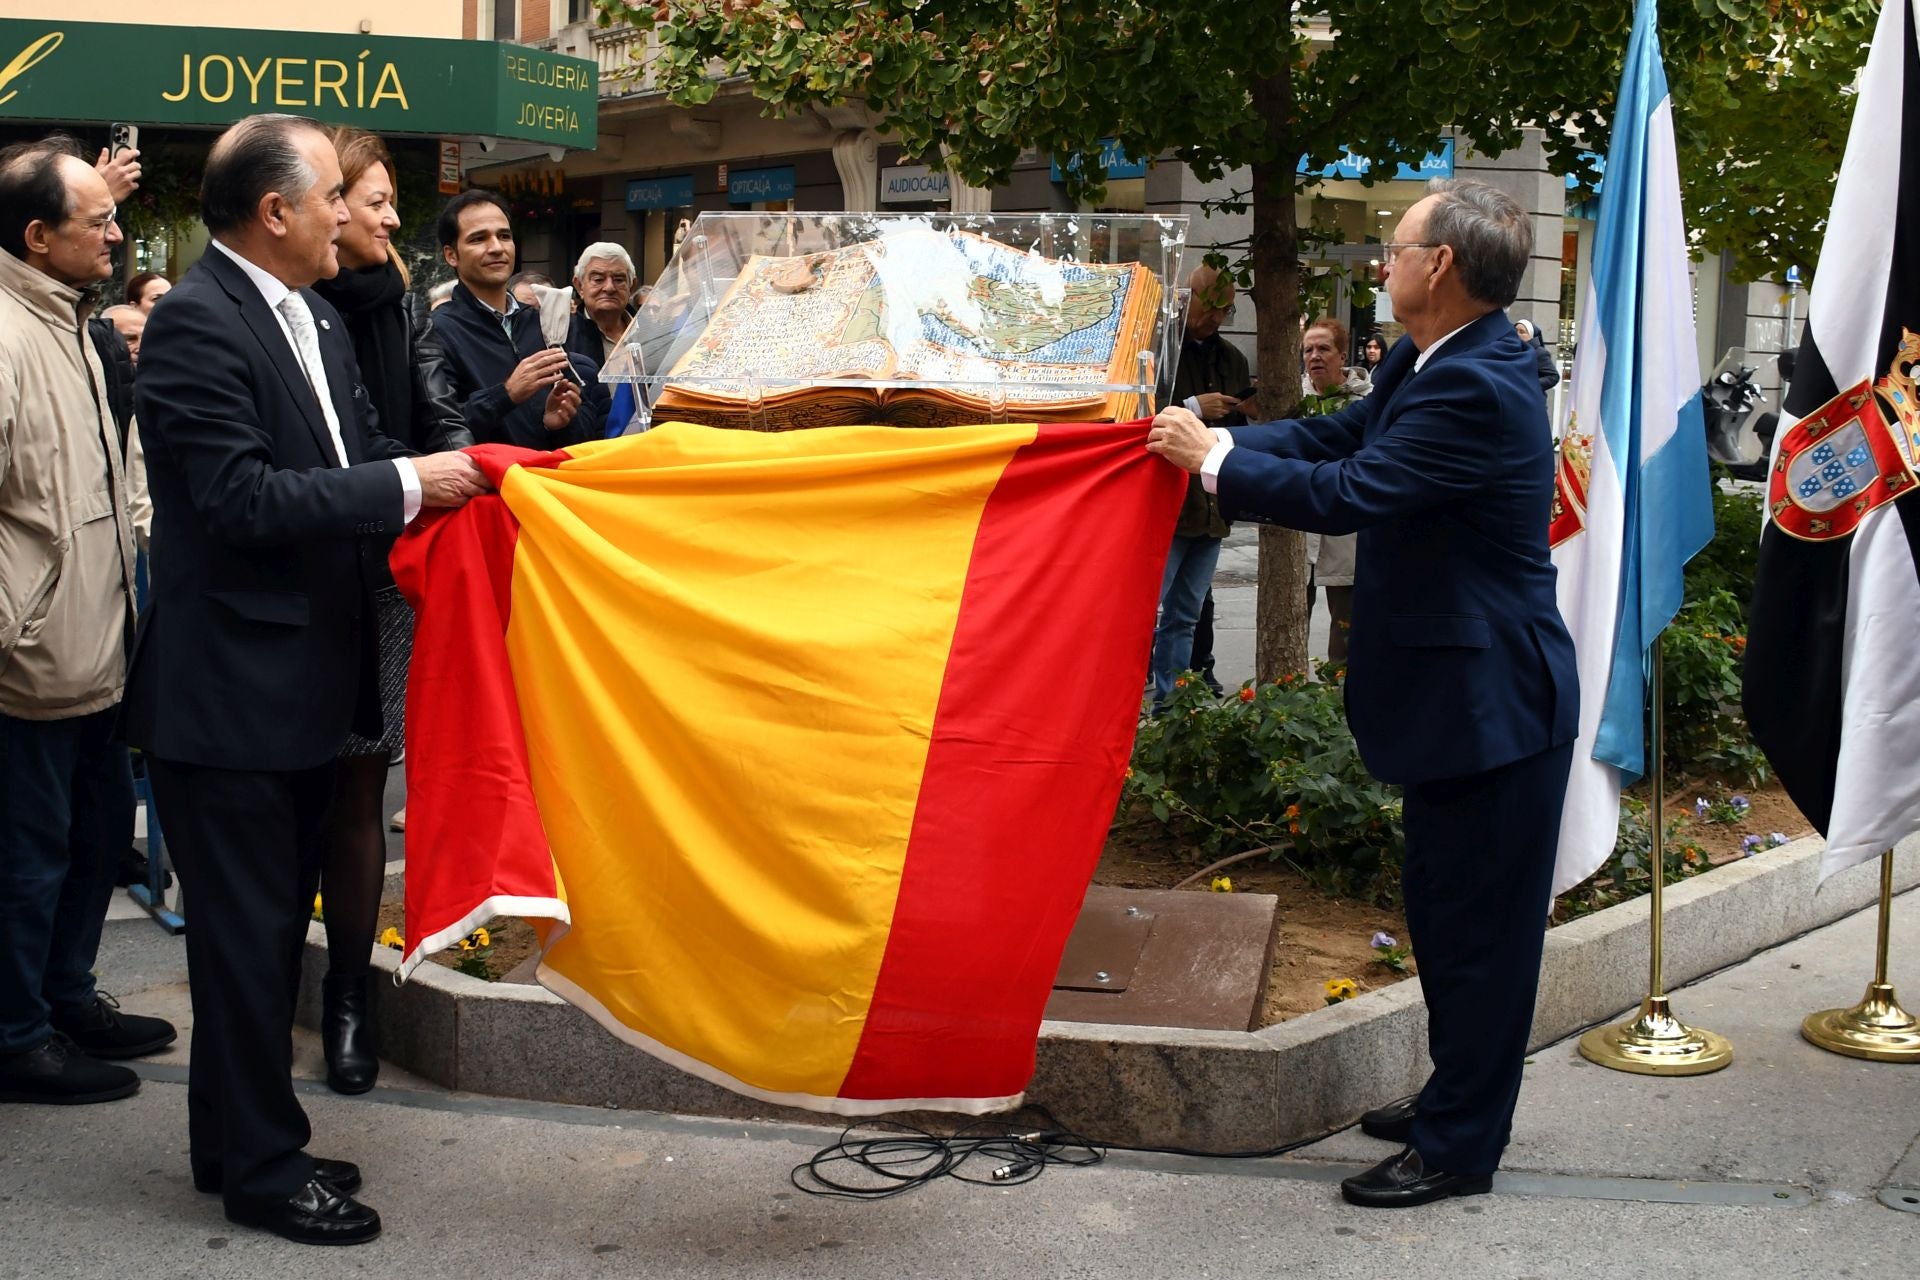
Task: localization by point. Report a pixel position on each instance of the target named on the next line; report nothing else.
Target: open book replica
(948, 326)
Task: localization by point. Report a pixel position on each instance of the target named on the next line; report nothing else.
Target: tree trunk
(1280, 635)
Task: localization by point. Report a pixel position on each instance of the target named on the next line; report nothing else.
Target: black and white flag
(1833, 655)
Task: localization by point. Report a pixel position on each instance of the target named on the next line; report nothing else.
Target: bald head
(56, 213)
(1209, 299)
(130, 323)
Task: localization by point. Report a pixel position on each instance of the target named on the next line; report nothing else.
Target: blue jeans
(1190, 566)
(66, 820)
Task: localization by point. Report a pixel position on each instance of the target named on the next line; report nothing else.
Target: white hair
(441, 291)
(602, 249)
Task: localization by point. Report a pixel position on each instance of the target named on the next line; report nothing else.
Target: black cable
(894, 1158)
(903, 1157)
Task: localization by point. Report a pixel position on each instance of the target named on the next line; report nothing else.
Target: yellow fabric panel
(724, 571)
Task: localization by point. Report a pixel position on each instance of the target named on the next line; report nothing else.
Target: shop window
(506, 22)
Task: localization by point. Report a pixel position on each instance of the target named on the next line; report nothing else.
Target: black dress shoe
(1393, 1122)
(100, 1030)
(346, 1035)
(315, 1214)
(1404, 1181)
(343, 1176)
(58, 1072)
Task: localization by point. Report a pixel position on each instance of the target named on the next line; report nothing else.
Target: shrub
(1704, 729)
(1273, 766)
(1627, 872)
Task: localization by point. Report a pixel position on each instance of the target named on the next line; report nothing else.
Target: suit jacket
(1458, 661)
(258, 647)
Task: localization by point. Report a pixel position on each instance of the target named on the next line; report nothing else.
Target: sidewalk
(1233, 609)
(1768, 1168)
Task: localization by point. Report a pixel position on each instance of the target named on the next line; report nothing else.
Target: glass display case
(775, 321)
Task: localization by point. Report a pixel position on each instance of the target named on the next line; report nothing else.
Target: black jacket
(482, 357)
(258, 648)
(117, 361)
(437, 424)
(1543, 366)
(1208, 364)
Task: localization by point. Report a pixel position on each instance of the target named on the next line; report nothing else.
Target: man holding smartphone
(513, 387)
(1211, 381)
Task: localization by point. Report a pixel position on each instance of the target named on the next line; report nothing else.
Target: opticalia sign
(915, 184)
(214, 76)
(1436, 164)
(660, 193)
(756, 186)
(1116, 162)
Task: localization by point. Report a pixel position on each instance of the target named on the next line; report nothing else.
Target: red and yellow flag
(799, 748)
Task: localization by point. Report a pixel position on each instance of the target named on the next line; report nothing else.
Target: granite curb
(1152, 1086)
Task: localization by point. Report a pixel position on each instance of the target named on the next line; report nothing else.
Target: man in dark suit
(257, 653)
(1461, 685)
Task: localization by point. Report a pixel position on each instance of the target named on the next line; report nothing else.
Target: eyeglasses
(94, 226)
(1392, 250)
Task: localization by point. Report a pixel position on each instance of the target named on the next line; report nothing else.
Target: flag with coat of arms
(1832, 688)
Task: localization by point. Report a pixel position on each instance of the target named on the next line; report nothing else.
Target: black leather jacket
(116, 361)
(436, 401)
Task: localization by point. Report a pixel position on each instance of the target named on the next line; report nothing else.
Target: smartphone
(1248, 394)
(122, 137)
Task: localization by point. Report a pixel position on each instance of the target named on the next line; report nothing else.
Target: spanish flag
(799, 749)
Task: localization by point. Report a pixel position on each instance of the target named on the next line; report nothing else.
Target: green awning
(163, 75)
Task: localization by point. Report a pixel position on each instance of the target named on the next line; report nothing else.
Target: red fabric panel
(1030, 745)
(469, 793)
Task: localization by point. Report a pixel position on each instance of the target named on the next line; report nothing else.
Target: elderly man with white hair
(604, 281)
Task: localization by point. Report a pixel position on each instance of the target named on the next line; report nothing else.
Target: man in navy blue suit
(1461, 686)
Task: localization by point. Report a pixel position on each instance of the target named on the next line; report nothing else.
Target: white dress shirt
(273, 291)
(1210, 466)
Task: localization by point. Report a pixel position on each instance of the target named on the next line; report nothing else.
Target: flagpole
(1656, 1043)
(1877, 1027)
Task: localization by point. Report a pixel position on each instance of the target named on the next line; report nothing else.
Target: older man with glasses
(604, 281)
(1461, 685)
(66, 618)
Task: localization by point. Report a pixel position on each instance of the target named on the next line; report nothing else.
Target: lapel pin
(324, 324)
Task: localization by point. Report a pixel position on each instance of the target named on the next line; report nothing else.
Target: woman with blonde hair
(406, 378)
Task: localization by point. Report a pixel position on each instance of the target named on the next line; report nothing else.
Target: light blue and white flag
(1637, 433)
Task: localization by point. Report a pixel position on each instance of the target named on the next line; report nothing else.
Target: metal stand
(1877, 1027)
(1656, 1043)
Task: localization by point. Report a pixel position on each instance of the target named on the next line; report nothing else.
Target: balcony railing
(626, 57)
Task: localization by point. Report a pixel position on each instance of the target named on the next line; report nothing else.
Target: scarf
(370, 301)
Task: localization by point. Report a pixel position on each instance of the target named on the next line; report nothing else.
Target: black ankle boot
(347, 1034)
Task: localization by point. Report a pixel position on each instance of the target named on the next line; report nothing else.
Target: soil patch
(512, 941)
(1325, 938)
(1769, 812)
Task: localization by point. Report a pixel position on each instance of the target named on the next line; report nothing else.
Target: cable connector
(1017, 1168)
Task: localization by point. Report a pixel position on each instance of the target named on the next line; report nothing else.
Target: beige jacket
(66, 540)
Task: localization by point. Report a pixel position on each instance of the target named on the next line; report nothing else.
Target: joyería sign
(211, 76)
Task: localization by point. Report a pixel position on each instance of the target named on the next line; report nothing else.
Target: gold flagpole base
(1656, 1044)
(1876, 1028)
